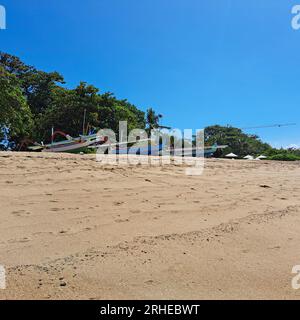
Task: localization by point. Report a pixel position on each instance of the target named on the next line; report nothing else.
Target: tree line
(243, 144)
(33, 101)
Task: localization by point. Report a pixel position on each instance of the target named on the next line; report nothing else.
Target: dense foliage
(243, 144)
(238, 142)
(34, 101)
(291, 154)
(14, 110)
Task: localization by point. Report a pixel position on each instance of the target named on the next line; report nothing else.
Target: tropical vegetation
(33, 101)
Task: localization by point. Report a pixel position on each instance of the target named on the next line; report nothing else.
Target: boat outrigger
(143, 147)
(196, 152)
(138, 147)
(70, 144)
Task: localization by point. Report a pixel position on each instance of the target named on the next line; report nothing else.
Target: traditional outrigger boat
(208, 151)
(139, 147)
(69, 145)
(146, 147)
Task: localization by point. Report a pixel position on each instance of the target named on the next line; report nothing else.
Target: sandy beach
(74, 229)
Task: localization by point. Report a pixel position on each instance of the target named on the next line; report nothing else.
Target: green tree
(37, 86)
(51, 105)
(152, 119)
(66, 112)
(238, 142)
(15, 113)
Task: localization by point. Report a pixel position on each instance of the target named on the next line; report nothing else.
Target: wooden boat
(69, 145)
(195, 152)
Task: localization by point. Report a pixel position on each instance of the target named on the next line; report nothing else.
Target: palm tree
(152, 119)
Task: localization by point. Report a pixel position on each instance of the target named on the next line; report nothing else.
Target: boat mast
(52, 133)
(83, 126)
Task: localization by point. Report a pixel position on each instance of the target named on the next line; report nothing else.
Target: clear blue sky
(198, 62)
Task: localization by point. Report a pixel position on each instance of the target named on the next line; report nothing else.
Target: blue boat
(153, 150)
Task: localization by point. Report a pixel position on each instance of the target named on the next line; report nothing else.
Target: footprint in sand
(118, 203)
(21, 213)
(22, 240)
(121, 220)
(274, 248)
(135, 211)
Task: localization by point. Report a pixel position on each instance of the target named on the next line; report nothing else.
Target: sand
(72, 228)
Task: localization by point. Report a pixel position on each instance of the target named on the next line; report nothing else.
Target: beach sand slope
(72, 228)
